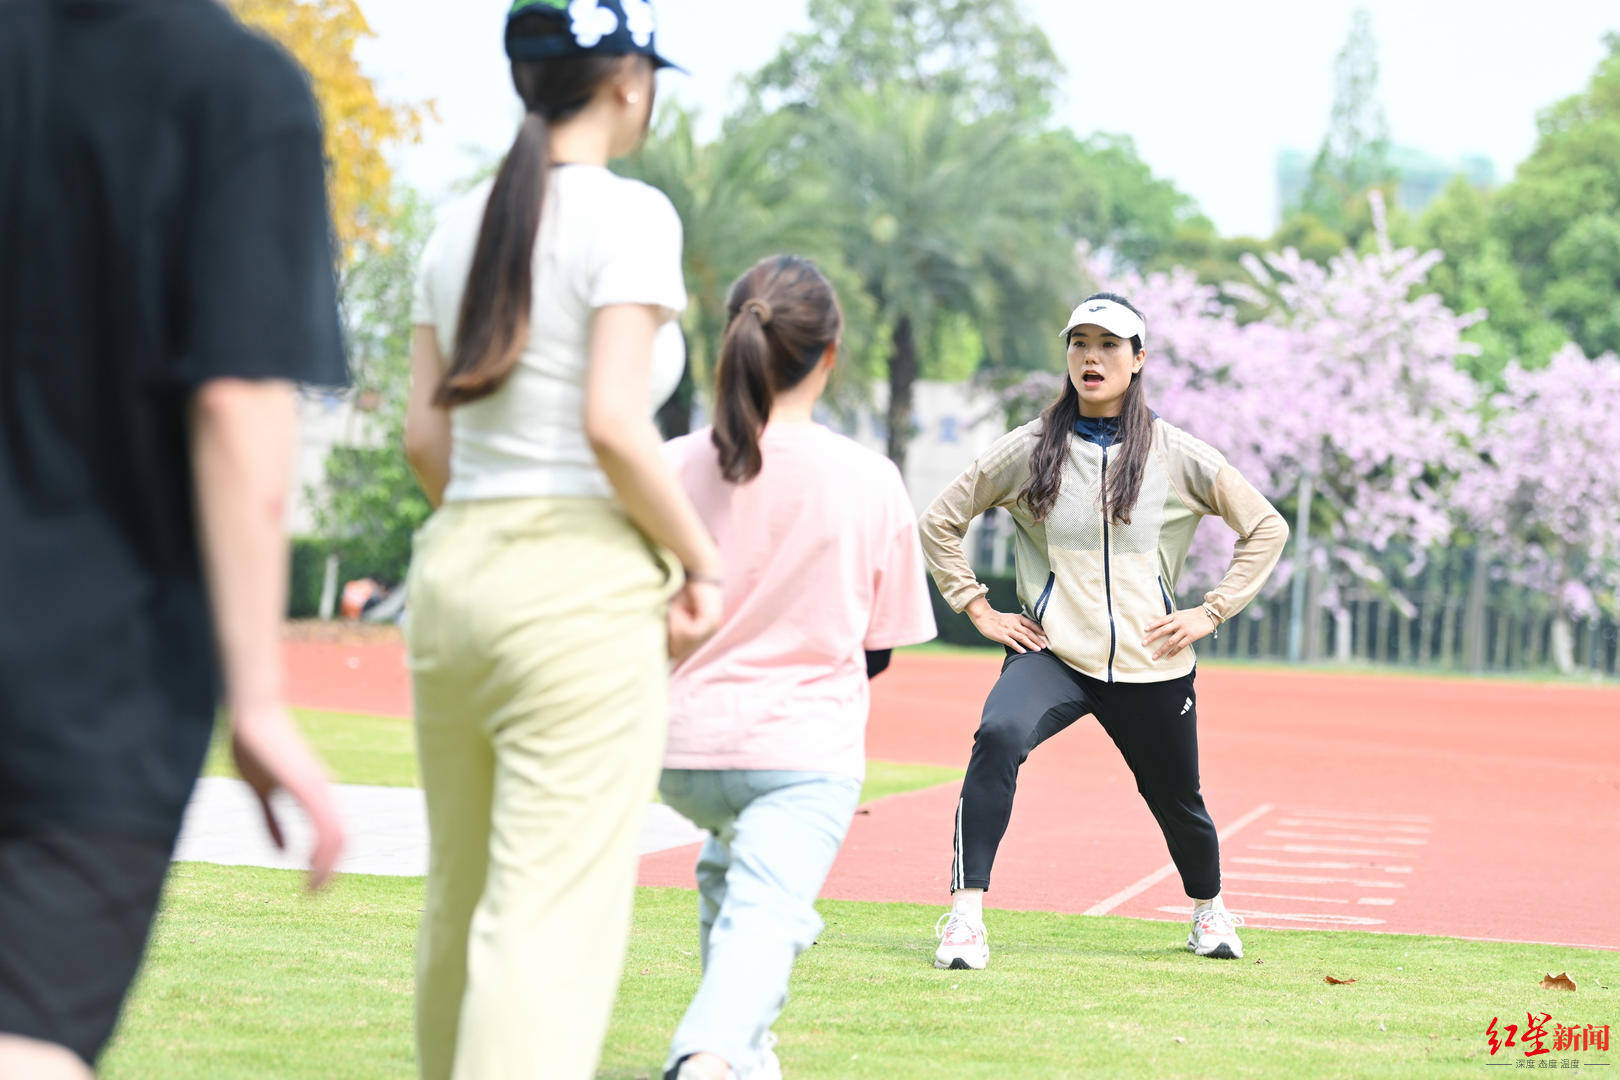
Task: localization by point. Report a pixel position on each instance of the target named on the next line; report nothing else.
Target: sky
(1210, 92)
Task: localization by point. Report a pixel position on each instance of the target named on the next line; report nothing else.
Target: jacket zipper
(1169, 609)
(1108, 584)
(1045, 597)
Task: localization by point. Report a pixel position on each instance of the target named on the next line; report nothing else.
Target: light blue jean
(772, 838)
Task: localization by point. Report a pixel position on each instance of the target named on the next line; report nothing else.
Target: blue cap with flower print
(604, 27)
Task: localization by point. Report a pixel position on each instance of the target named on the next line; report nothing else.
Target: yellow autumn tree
(359, 126)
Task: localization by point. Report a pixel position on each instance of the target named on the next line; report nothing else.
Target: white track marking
(1516, 941)
(1254, 861)
(1351, 815)
(1381, 901)
(1311, 879)
(1286, 834)
(1288, 896)
(1333, 918)
(1317, 823)
(1317, 849)
(1103, 907)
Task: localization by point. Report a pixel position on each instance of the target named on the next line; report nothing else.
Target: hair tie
(760, 308)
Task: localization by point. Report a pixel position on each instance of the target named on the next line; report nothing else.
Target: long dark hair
(494, 317)
(782, 315)
(1124, 481)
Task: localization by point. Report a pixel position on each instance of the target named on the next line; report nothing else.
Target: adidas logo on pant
(1185, 707)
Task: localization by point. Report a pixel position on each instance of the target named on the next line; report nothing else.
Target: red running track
(1377, 802)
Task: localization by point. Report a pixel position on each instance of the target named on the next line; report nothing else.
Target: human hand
(271, 754)
(1018, 632)
(694, 616)
(1179, 630)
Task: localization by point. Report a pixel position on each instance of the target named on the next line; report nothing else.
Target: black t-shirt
(163, 222)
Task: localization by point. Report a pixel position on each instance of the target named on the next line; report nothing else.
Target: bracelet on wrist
(1214, 619)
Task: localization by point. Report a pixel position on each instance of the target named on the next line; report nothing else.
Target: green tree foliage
(371, 504)
(1118, 204)
(738, 202)
(915, 135)
(1355, 155)
(935, 215)
(1310, 235)
(984, 56)
(1560, 216)
(1478, 274)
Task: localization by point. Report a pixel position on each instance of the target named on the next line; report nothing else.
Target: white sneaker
(963, 943)
(688, 1071)
(1214, 933)
(767, 1066)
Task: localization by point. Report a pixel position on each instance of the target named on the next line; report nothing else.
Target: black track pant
(1155, 726)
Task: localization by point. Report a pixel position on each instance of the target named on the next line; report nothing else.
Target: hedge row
(309, 569)
(308, 572)
(957, 629)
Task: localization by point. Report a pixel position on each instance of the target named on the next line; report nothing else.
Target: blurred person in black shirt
(166, 277)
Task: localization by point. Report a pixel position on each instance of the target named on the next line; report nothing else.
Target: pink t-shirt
(822, 563)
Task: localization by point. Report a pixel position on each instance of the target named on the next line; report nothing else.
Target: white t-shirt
(603, 240)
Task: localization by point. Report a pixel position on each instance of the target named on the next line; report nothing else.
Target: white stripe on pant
(956, 843)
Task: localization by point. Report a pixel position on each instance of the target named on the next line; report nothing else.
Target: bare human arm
(628, 448)
(242, 434)
(427, 427)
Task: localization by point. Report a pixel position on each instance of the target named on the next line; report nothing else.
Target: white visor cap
(1117, 319)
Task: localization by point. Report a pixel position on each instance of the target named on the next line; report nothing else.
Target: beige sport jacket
(1094, 585)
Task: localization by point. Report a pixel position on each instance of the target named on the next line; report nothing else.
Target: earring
(633, 98)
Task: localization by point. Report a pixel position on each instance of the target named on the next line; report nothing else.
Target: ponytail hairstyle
(494, 318)
(782, 315)
(1135, 440)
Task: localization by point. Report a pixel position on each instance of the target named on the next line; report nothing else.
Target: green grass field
(381, 750)
(249, 977)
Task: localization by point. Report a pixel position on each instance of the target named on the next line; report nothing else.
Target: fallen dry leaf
(1336, 982)
(1560, 981)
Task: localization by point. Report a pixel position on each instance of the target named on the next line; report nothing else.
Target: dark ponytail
(494, 319)
(1135, 440)
(783, 314)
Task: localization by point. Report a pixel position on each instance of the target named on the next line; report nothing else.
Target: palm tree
(936, 215)
(734, 209)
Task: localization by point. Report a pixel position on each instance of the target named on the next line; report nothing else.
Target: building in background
(326, 419)
(954, 422)
(1423, 176)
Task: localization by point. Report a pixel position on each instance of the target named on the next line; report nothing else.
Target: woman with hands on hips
(1105, 497)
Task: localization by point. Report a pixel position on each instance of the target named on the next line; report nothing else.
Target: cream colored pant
(538, 658)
